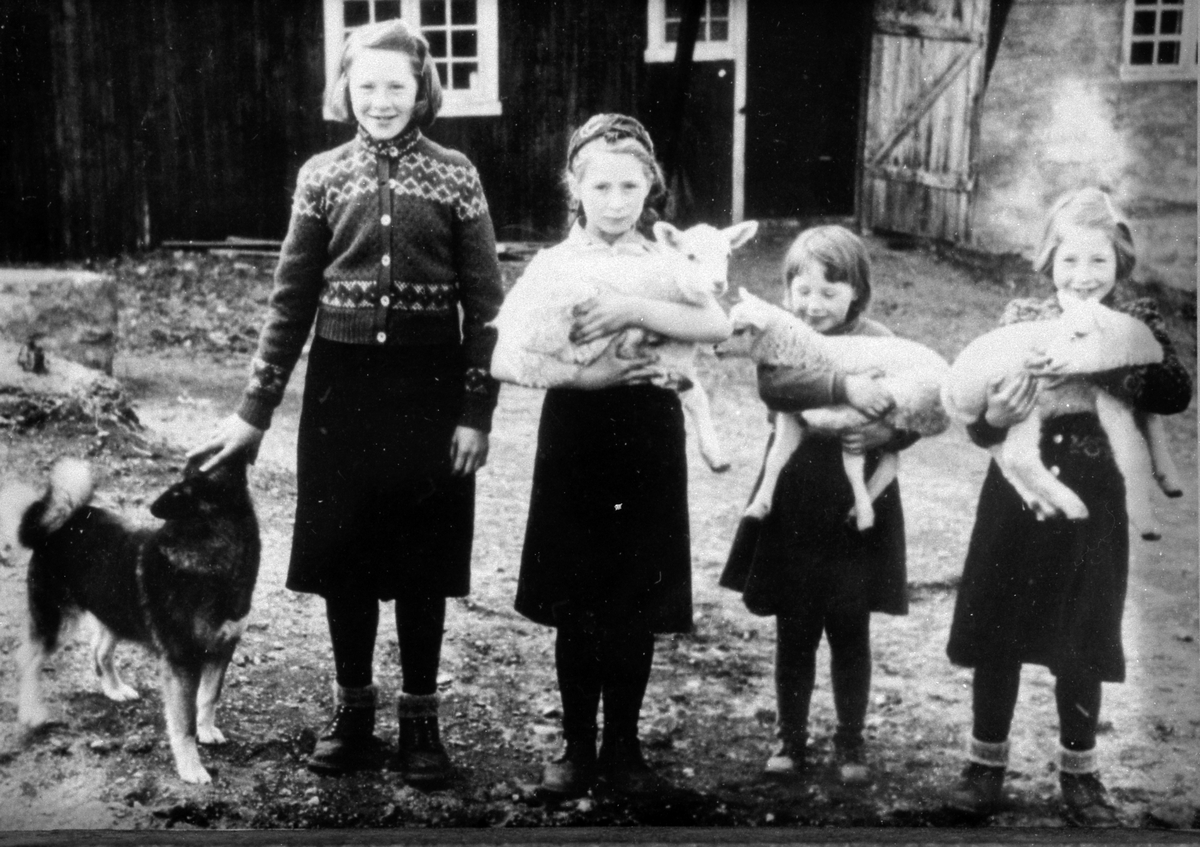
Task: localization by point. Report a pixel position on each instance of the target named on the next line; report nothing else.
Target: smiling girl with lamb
(1049, 590)
(804, 561)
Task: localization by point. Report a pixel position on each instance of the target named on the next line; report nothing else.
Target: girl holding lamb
(607, 559)
(806, 562)
(1052, 592)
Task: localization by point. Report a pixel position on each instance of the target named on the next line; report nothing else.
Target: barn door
(924, 92)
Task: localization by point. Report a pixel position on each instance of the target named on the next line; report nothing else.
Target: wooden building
(135, 123)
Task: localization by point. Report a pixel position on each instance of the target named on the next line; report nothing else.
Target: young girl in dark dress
(607, 557)
(389, 238)
(1052, 592)
(806, 563)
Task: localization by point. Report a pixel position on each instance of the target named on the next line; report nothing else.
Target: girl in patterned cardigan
(389, 238)
(1052, 592)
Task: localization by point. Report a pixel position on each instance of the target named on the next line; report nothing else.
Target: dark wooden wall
(132, 123)
(136, 122)
(560, 62)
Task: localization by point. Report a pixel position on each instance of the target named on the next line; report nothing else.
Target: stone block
(71, 313)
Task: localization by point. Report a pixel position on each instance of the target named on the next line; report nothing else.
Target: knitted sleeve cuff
(256, 411)
(477, 412)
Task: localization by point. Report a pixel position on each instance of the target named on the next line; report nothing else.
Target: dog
(183, 589)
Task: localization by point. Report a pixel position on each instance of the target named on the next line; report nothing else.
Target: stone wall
(1056, 116)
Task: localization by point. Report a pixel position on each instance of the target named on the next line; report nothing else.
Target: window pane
(441, 69)
(1144, 2)
(356, 13)
(437, 43)
(1172, 2)
(718, 8)
(387, 10)
(674, 8)
(462, 12)
(718, 31)
(1144, 23)
(1142, 53)
(1170, 23)
(463, 44)
(672, 33)
(1168, 53)
(433, 12)
(462, 75)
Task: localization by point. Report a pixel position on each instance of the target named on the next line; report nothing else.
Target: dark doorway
(803, 82)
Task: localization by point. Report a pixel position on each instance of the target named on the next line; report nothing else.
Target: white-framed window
(721, 23)
(463, 38)
(1159, 40)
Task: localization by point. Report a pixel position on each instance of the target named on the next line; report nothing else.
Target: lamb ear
(739, 234)
(665, 233)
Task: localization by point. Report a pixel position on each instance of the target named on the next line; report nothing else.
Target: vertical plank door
(923, 97)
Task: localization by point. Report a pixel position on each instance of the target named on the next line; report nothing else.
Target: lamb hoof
(719, 467)
(1151, 535)
(1169, 486)
(757, 510)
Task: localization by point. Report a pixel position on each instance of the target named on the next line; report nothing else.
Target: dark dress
(805, 558)
(607, 537)
(377, 508)
(1052, 592)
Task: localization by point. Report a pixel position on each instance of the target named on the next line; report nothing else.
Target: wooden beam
(921, 106)
(931, 32)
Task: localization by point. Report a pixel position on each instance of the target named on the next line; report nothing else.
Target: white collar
(630, 243)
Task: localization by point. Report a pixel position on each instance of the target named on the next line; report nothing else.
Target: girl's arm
(480, 295)
(606, 314)
(1163, 389)
(786, 389)
(292, 304)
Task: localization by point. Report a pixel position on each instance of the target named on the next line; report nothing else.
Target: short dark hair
(841, 254)
(392, 35)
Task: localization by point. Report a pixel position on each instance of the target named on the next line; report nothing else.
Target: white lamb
(911, 372)
(1088, 338)
(534, 347)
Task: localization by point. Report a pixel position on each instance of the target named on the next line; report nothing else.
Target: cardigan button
(385, 261)
(381, 337)
(1058, 438)
(392, 151)
(1055, 469)
(386, 220)
(385, 300)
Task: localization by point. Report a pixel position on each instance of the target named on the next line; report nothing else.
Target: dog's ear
(178, 502)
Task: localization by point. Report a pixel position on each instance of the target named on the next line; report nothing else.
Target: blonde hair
(398, 37)
(638, 146)
(1090, 208)
(841, 254)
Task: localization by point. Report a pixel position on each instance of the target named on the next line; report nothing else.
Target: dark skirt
(377, 509)
(1048, 592)
(805, 558)
(607, 537)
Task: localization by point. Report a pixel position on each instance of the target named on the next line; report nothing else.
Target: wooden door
(923, 97)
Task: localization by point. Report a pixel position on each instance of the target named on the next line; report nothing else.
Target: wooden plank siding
(926, 80)
(140, 121)
(559, 63)
(167, 119)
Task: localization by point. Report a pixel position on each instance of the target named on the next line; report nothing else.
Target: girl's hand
(602, 315)
(468, 451)
(233, 435)
(867, 394)
(610, 369)
(867, 437)
(1010, 399)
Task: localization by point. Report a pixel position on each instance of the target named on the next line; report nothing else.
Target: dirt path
(708, 715)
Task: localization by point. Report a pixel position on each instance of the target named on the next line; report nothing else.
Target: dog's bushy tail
(29, 517)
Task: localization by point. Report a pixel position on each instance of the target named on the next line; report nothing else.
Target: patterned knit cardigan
(387, 241)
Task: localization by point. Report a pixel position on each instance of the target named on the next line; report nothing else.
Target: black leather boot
(624, 770)
(421, 759)
(574, 772)
(348, 741)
